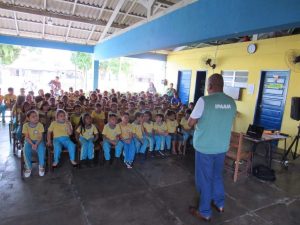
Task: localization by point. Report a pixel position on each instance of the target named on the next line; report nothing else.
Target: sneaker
(161, 153)
(74, 164)
(41, 171)
(128, 165)
(153, 154)
(54, 165)
(27, 173)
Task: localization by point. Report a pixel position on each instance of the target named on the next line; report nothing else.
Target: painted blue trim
(96, 74)
(45, 44)
(202, 21)
(154, 56)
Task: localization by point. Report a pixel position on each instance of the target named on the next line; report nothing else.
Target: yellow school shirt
(118, 114)
(10, 98)
(126, 130)
(98, 119)
(58, 129)
(131, 115)
(52, 114)
(148, 127)
(171, 126)
(137, 130)
(184, 124)
(34, 133)
(88, 133)
(111, 133)
(1, 99)
(45, 117)
(160, 127)
(75, 119)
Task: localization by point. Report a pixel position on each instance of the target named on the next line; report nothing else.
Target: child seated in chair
(98, 116)
(148, 128)
(111, 137)
(160, 132)
(61, 129)
(87, 135)
(127, 140)
(33, 132)
(139, 135)
(173, 138)
(186, 130)
(75, 117)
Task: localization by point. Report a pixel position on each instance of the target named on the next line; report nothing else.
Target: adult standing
(170, 91)
(55, 85)
(2, 107)
(151, 88)
(213, 117)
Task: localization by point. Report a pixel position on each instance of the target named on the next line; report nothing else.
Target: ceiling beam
(98, 18)
(90, 34)
(44, 25)
(165, 2)
(94, 6)
(130, 8)
(70, 23)
(111, 19)
(10, 7)
(16, 23)
(44, 19)
(54, 25)
(57, 39)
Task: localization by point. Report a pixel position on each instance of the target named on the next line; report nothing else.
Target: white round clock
(251, 48)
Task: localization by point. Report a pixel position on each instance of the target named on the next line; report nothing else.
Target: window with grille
(235, 78)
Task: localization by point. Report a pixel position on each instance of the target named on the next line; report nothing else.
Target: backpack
(263, 172)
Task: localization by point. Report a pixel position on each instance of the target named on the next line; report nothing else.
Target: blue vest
(213, 129)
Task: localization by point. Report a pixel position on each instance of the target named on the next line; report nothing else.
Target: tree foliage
(8, 54)
(115, 66)
(82, 60)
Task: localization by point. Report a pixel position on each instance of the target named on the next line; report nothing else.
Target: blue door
(183, 86)
(271, 99)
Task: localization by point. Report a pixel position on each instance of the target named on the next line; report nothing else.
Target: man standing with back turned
(213, 116)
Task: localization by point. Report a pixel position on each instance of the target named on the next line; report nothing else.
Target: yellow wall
(270, 55)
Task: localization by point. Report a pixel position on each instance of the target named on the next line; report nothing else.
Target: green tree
(8, 54)
(84, 62)
(115, 66)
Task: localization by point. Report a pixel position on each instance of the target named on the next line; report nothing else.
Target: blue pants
(129, 151)
(209, 181)
(159, 142)
(151, 142)
(171, 137)
(41, 150)
(19, 132)
(107, 147)
(140, 145)
(59, 143)
(87, 148)
(187, 134)
(2, 111)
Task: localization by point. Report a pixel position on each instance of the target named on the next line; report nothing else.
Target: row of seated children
(129, 138)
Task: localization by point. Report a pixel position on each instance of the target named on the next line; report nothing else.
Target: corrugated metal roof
(76, 21)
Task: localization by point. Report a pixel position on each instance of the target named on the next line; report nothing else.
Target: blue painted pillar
(96, 74)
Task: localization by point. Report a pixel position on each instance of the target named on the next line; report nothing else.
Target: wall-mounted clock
(251, 48)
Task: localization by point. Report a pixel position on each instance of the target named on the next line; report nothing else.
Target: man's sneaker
(41, 171)
(161, 153)
(27, 173)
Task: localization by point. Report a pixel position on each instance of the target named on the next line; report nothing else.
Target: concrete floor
(156, 192)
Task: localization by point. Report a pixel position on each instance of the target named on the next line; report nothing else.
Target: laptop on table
(255, 131)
